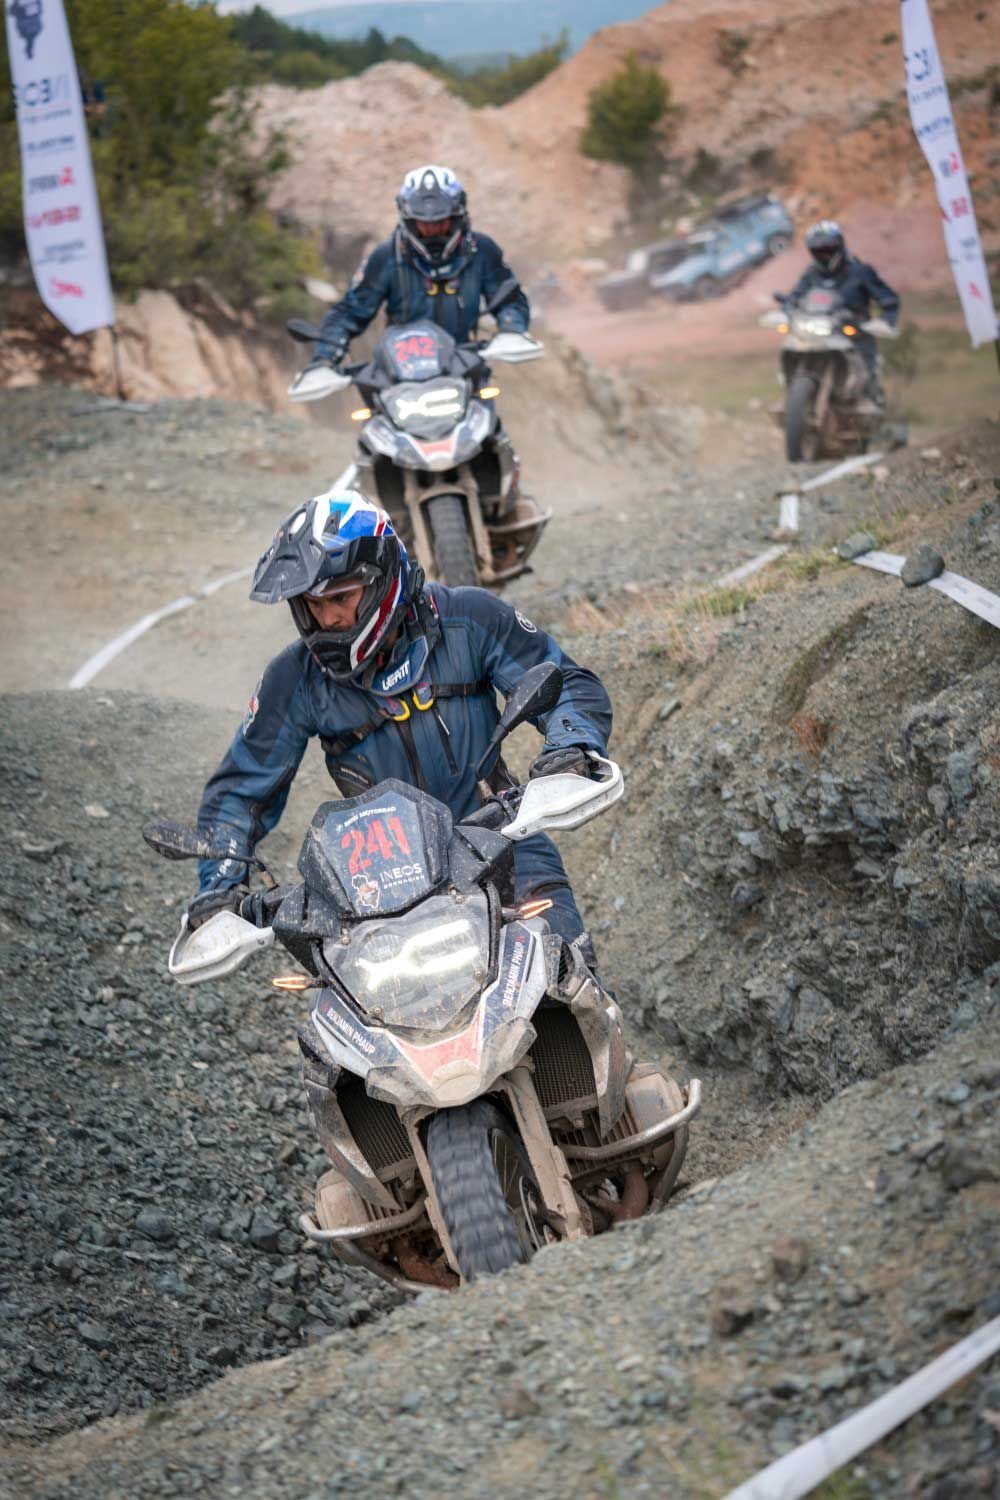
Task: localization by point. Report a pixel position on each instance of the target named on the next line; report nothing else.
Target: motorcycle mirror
(504, 292)
(304, 331)
(537, 693)
(174, 841)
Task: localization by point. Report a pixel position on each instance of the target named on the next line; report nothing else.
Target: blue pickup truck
(706, 263)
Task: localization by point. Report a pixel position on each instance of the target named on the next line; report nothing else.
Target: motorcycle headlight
(818, 327)
(419, 969)
(427, 409)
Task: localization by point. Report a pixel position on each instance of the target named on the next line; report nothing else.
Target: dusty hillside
(816, 85)
(808, 97)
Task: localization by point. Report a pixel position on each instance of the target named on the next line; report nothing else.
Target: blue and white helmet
(431, 196)
(332, 544)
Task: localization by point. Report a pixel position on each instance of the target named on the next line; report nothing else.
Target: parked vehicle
(472, 1086)
(432, 451)
(631, 287)
(829, 407)
(707, 262)
(720, 254)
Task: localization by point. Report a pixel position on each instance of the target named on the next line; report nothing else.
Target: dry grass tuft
(810, 732)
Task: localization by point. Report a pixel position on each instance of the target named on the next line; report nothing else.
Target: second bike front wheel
(454, 554)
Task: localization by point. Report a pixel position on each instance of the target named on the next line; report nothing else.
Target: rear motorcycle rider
(397, 679)
(856, 283)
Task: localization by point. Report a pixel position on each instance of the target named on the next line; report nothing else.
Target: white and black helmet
(432, 196)
(825, 243)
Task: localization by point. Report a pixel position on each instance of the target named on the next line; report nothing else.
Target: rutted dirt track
(800, 897)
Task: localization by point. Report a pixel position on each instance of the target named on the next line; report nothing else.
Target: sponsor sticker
(525, 623)
(253, 708)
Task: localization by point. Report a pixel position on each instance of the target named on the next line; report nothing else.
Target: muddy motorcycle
(432, 451)
(829, 406)
(467, 1074)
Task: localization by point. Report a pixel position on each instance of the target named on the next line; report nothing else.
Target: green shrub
(623, 114)
(181, 174)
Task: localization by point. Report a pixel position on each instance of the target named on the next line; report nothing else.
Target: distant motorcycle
(474, 1091)
(432, 451)
(829, 407)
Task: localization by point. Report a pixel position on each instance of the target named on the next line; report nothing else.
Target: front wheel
(454, 555)
(801, 442)
(489, 1199)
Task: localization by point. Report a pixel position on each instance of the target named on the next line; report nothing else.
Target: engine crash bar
(388, 1225)
(642, 1138)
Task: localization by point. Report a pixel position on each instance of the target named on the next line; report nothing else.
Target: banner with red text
(62, 217)
(934, 126)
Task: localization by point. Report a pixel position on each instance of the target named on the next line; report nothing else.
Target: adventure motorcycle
(829, 405)
(467, 1073)
(432, 451)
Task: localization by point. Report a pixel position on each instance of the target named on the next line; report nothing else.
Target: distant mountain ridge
(453, 28)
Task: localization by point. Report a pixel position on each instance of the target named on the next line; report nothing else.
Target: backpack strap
(397, 711)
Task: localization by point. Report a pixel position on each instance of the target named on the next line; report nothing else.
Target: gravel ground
(801, 896)
(672, 1356)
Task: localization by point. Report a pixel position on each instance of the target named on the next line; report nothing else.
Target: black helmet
(432, 195)
(336, 542)
(825, 243)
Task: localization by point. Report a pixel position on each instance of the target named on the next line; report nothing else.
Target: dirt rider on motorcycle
(396, 678)
(433, 266)
(856, 283)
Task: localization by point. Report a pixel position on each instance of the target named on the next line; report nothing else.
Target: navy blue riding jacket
(391, 276)
(857, 283)
(426, 720)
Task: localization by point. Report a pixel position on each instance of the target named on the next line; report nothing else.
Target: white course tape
(882, 562)
(805, 1467)
(747, 569)
(788, 516)
(849, 466)
(114, 648)
(971, 596)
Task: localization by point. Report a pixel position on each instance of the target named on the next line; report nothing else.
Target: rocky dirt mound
(674, 1355)
(155, 1146)
(808, 874)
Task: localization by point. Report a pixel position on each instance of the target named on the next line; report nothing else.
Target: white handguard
(513, 348)
(772, 319)
(565, 800)
(317, 382)
(880, 329)
(218, 947)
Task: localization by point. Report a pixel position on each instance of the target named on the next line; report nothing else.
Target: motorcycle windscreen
(428, 410)
(415, 351)
(420, 969)
(380, 852)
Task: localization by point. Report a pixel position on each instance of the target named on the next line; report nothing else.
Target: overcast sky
(294, 7)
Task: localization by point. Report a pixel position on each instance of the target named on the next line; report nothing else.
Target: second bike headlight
(427, 409)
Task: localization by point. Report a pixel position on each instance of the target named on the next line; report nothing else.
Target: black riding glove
(567, 758)
(207, 903)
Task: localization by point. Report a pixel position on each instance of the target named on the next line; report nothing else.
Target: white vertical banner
(934, 127)
(62, 217)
